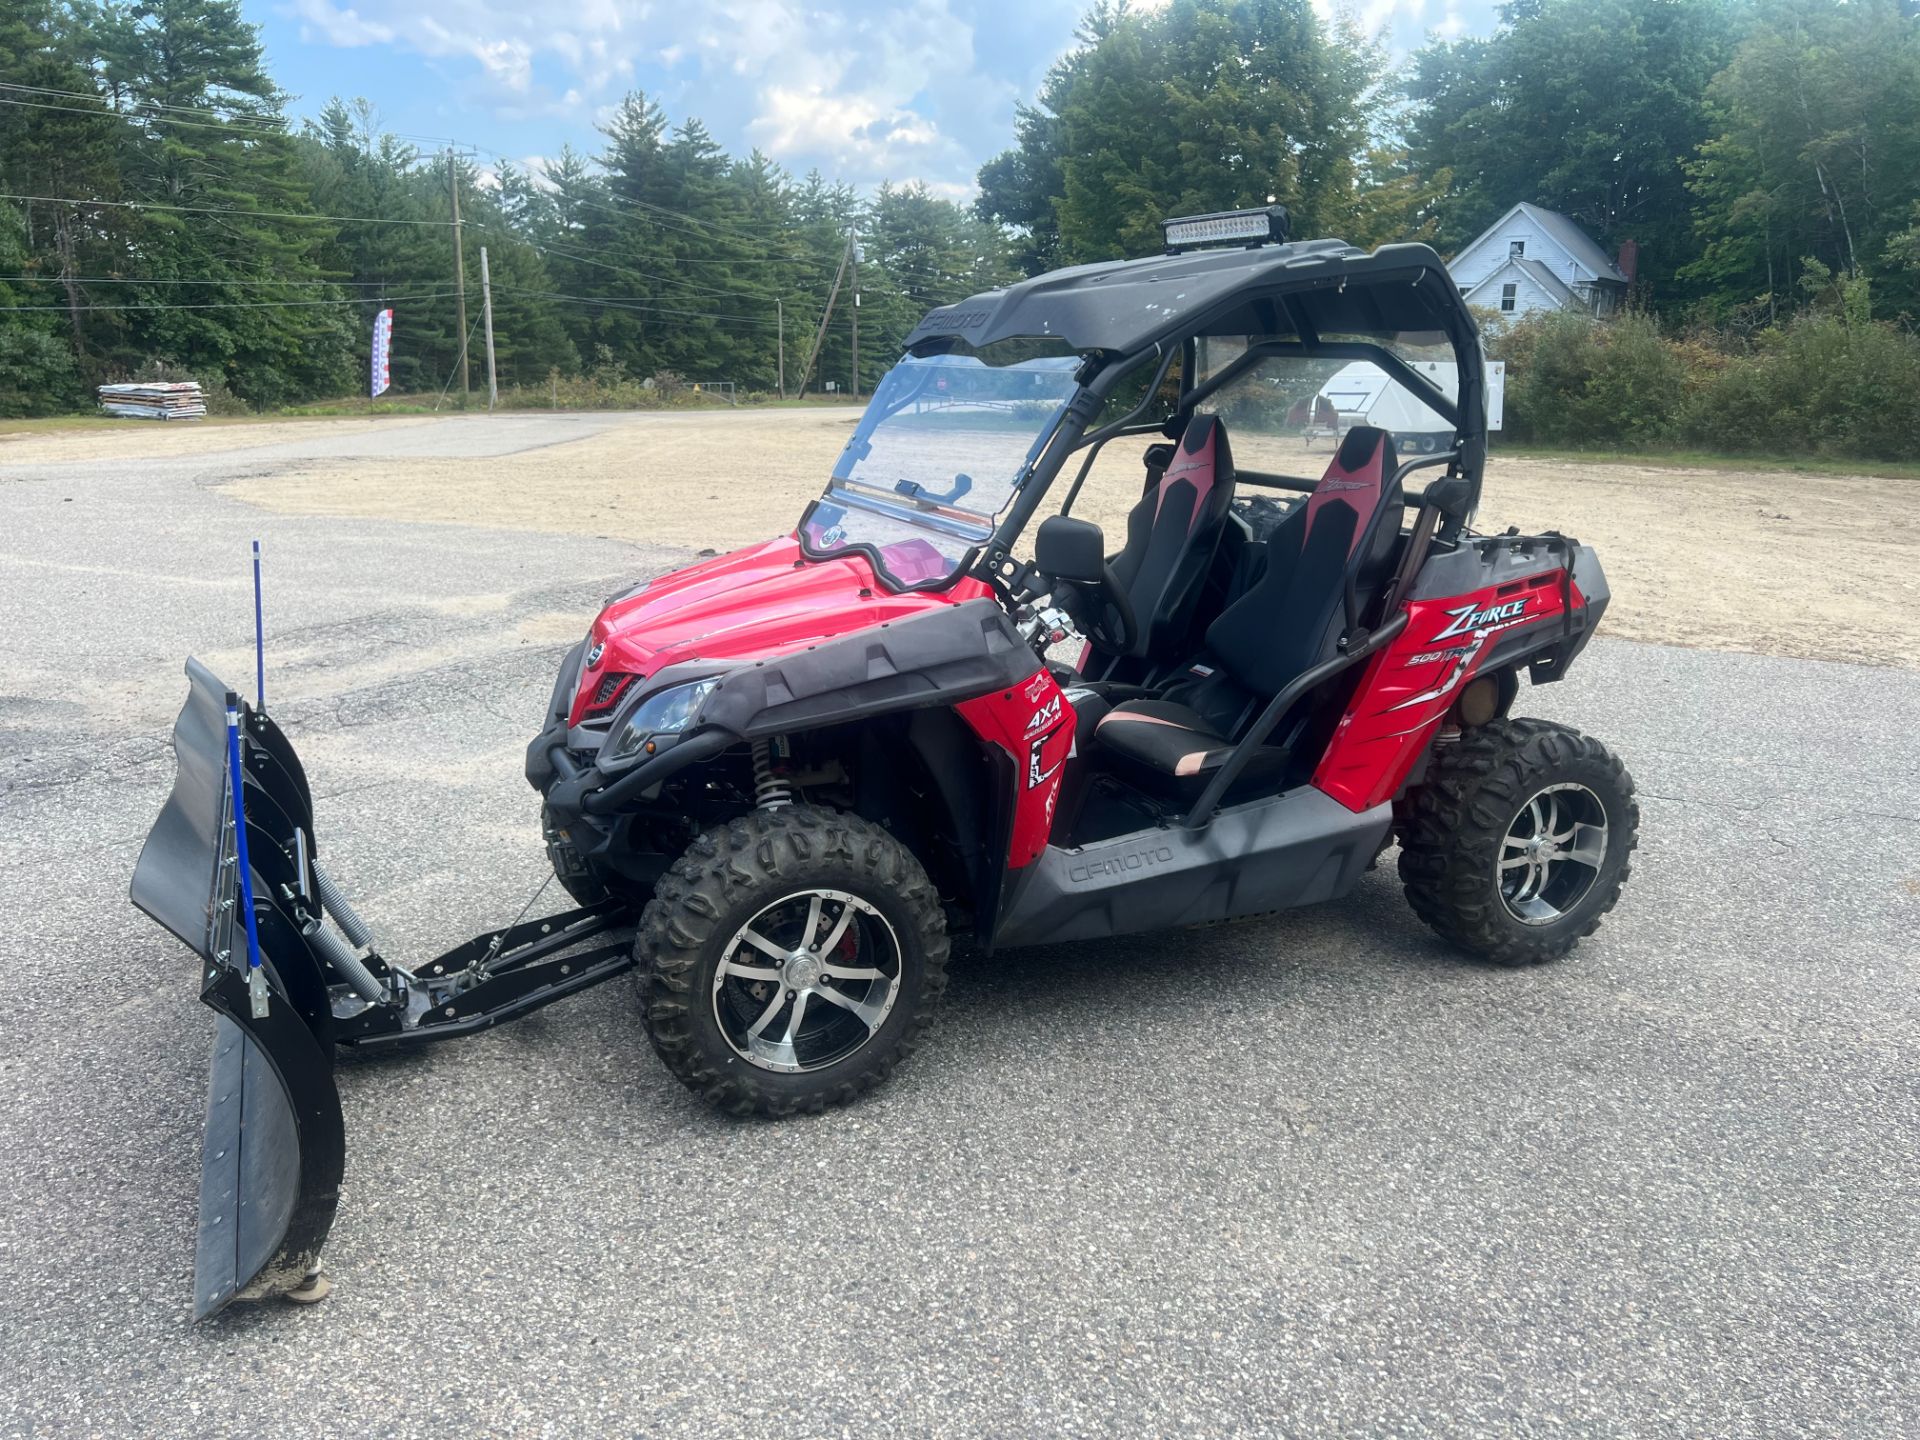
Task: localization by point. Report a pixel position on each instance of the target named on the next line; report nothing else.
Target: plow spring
(231, 869)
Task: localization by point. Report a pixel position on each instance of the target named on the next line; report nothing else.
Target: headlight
(665, 712)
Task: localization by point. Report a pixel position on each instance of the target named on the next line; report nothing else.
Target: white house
(1532, 259)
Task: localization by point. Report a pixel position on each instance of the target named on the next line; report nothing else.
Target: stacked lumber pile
(154, 402)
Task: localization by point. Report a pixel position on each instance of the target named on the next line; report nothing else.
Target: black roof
(1326, 286)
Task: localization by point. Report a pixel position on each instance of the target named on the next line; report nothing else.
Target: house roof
(1536, 271)
(1564, 233)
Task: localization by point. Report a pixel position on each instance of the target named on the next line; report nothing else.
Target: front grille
(608, 690)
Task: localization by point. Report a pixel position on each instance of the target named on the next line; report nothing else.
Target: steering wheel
(1103, 610)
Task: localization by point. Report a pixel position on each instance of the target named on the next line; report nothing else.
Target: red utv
(777, 782)
(810, 762)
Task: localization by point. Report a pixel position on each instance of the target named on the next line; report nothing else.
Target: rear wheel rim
(807, 982)
(1552, 853)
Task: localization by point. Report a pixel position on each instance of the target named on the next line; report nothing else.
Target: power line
(269, 124)
(277, 125)
(621, 269)
(112, 109)
(230, 126)
(628, 305)
(225, 304)
(215, 280)
(222, 210)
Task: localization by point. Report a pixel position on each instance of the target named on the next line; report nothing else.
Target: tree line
(160, 212)
(1731, 140)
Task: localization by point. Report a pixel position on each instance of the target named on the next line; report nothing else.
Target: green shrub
(1822, 384)
(36, 373)
(1825, 383)
(1575, 381)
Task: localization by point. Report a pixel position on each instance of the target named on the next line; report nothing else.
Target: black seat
(1325, 567)
(1171, 538)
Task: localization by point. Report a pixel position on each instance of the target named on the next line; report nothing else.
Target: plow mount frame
(304, 977)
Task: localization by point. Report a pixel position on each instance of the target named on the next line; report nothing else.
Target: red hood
(756, 602)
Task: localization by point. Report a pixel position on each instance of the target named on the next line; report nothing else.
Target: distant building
(1532, 259)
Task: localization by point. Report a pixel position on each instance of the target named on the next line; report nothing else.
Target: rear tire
(1518, 840)
(789, 960)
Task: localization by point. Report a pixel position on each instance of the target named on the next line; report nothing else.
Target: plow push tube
(231, 869)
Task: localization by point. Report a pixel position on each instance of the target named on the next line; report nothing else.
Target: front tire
(789, 960)
(1519, 839)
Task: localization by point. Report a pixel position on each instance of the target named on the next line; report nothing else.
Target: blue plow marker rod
(259, 637)
(237, 780)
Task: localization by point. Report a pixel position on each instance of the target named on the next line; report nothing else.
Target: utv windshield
(935, 459)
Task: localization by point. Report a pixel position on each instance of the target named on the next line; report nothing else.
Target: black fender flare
(935, 659)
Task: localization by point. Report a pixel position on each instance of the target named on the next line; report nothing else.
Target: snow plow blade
(274, 1147)
(303, 977)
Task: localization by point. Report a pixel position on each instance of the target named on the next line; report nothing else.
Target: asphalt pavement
(1315, 1175)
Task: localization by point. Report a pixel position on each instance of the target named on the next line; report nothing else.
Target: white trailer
(1364, 394)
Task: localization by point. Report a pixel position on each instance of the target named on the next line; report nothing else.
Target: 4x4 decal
(1044, 717)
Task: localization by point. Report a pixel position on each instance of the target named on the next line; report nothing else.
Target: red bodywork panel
(754, 603)
(1407, 688)
(1032, 723)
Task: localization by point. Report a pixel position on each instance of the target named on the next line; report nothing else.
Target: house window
(1509, 298)
(1516, 249)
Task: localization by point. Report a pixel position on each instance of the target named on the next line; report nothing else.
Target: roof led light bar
(1264, 226)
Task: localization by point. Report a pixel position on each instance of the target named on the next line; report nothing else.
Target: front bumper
(574, 787)
(548, 751)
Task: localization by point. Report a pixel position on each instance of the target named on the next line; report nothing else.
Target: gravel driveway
(1310, 1175)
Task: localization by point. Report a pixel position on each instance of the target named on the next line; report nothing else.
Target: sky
(866, 90)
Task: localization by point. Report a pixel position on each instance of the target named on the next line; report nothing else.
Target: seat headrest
(1356, 477)
(1203, 460)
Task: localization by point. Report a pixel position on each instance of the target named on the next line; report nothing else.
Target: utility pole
(459, 271)
(820, 336)
(853, 248)
(780, 310)
(486, 310)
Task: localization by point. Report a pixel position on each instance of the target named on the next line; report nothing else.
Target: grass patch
(1710, 460)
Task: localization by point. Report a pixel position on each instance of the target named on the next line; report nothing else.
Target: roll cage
(1316, 294)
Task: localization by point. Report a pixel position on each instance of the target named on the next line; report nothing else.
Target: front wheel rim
(807, 982)
(1552, 853)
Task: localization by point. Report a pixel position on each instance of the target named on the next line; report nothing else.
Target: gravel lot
(1313, 1175)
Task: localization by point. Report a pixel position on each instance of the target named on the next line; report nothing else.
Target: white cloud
(339, 27)
(862, 95)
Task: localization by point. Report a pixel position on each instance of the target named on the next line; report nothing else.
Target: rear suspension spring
(770, 791)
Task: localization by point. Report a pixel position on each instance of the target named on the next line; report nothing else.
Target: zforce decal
(1495, 617)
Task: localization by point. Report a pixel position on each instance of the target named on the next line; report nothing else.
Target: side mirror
(1070, 549)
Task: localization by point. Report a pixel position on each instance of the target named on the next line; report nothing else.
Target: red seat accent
(1356, 477)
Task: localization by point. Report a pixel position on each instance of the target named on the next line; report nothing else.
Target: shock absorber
(770, 792)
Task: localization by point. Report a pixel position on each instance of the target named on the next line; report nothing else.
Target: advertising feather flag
(382, 375)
